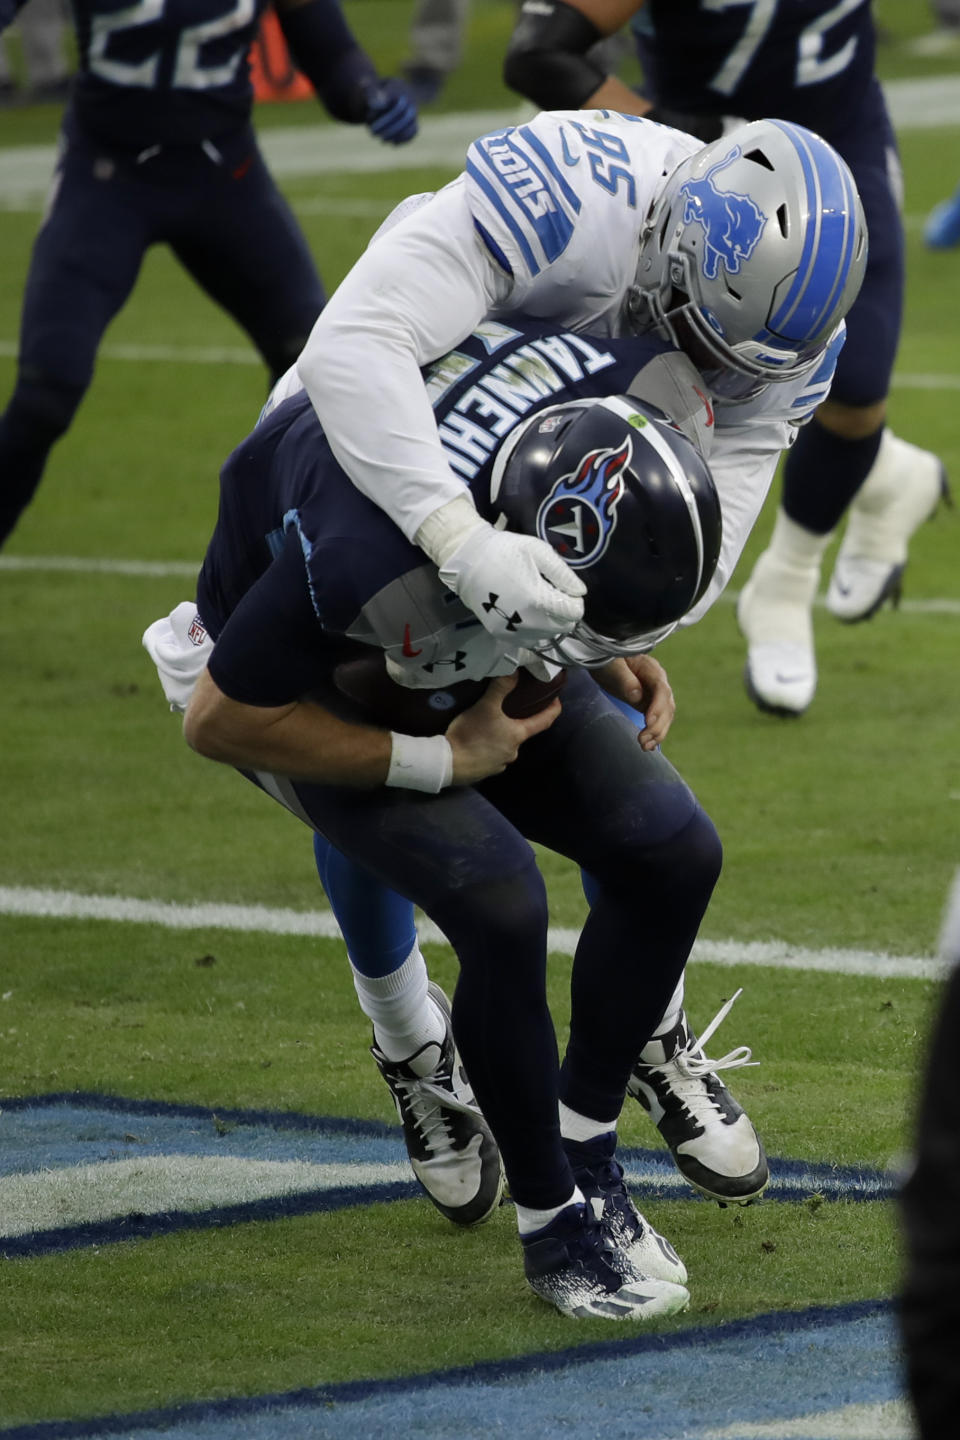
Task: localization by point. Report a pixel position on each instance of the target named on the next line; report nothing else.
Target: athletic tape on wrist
(420, 762)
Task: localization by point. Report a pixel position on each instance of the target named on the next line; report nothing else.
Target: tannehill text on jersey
(489, 409)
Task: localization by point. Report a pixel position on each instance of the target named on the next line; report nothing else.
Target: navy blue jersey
(809, 61)
(177, 72)
(163, 71)
(295, 540)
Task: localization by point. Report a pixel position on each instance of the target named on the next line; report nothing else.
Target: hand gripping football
(428, 712)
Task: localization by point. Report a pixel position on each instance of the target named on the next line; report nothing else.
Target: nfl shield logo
(197, 632)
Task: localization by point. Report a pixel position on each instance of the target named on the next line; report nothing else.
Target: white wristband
(420, 762)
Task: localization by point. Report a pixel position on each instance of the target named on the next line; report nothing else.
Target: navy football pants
(586, 790)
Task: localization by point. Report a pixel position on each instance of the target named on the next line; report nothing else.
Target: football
(428, 712)
(530, 694)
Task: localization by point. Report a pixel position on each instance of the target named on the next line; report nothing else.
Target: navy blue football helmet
(629, 503)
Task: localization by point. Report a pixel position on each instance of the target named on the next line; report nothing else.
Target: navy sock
(822, 474)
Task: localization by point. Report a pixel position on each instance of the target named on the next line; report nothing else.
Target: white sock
(404, 1016)
(579, 1128)
(668, 1021)
(529, 1220)
(794, 544)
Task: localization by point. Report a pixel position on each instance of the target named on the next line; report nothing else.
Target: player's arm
(248, 707)
(410, 298)
(548, 58)
(642, 682)
(342, 73)
(305, 741)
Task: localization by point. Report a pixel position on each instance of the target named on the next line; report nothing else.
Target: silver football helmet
(752, 255)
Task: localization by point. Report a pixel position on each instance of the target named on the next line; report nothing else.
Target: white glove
(517, 586)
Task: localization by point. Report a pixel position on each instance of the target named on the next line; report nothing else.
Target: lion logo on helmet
(732, 223)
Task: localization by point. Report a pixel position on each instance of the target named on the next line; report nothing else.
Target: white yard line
(25, 170)
(188, 569)
(261, 919)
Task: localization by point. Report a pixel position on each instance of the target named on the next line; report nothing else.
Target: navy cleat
(452, 1151)
(600, 1178)
(713, 1143)
(573, 1264)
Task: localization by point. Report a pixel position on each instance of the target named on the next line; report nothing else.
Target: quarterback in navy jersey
(157, 148)
(610, 226)
(809, 62)
(304, 576)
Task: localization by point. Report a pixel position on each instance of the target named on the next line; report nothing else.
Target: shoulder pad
(674, 385)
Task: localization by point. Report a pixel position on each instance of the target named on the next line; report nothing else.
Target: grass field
(840, 833)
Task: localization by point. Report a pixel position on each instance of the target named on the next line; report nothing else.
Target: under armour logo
(510, 621)
(456, 660)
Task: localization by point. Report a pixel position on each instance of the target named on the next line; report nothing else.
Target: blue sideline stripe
(169, 1222)
(791, 1179)
(276, 1119)
(52, 1135)
(466, 1380)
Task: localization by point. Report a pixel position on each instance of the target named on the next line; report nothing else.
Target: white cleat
(711, 1138)
(902, 490)
(573, 1263)
(775, 615)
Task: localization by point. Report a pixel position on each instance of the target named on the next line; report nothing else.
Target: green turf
(840, 830)
(310, 1301)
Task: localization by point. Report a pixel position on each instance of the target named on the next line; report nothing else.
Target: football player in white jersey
(746, 254)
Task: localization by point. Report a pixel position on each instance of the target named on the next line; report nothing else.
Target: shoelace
(693, 1063)
(426, 1101)
(590, 1236)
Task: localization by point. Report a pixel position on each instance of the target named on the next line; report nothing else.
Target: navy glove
(391, 114)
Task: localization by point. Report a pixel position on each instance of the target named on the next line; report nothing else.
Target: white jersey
(545, 221)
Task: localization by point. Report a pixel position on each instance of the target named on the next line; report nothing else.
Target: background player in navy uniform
(808, 61)
(301, 564)
(158, 149)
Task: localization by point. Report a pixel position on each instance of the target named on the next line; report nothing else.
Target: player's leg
(903, 483)
(843, 458)
(84, 264)
(712, 1140)
(629, 818)
(436, 40)
(42, 35)
(451, 1149)
(243, 246)
(474, 875)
